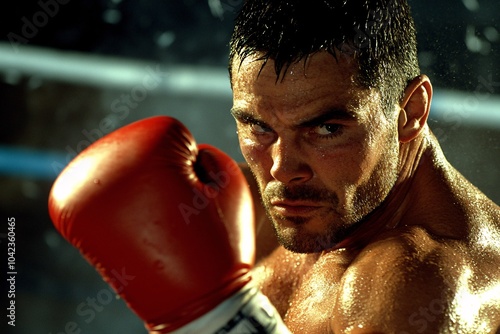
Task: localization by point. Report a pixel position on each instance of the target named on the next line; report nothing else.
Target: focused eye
(327, 129)
(259, 129)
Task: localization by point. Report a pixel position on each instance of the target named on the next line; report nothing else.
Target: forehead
(317, 80)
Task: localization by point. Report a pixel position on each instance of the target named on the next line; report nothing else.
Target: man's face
(322, 151)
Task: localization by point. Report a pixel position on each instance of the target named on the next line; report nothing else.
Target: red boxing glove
(175, 220)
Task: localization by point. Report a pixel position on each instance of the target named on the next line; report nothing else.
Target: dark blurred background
(73, 70)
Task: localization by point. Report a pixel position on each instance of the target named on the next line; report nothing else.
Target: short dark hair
(379, 34)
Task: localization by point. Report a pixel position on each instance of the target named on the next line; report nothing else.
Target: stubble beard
(364, 201)
(298, 238)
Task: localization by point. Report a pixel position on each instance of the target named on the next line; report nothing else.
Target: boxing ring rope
(479, 108)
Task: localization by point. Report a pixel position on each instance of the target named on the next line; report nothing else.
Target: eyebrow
(240, 114)
(325, 116)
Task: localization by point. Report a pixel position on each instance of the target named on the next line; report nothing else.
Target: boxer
(364, 227)
(376, 231)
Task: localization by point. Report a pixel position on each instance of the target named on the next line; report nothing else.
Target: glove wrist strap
(247, 311)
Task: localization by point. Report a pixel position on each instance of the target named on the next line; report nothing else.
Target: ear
(414, 108)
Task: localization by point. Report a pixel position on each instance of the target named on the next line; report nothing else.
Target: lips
(294, 208)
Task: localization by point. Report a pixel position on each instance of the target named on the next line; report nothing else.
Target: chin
(293, 234)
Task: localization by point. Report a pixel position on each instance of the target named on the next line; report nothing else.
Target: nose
(289, 163)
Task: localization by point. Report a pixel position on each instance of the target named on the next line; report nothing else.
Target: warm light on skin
(488, 238)
(467, 305)
(315, 128)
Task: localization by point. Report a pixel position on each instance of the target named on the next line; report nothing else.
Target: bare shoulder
(413, 281)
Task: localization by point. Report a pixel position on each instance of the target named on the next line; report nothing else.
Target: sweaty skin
(377, 232)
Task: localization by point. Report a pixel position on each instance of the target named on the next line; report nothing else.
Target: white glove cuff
(247, 311)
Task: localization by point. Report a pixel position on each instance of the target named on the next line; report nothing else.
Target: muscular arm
(265, 237)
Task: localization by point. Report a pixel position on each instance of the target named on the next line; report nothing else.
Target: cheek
(255, 155)
(374, 153)
(249, 149)
(342, 167)
(374, 170)
(351, 169)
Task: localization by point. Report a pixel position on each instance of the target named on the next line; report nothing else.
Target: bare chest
(303, 288)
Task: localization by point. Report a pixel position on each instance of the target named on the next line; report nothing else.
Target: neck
(388, 215)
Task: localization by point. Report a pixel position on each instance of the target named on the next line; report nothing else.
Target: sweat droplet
(97, 181)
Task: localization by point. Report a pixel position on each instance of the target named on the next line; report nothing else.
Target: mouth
(294, 208)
